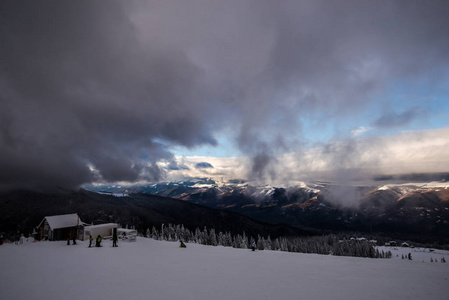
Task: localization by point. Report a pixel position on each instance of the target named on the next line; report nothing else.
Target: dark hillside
(23, 210)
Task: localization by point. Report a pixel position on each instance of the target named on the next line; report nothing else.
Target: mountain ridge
(409, 208)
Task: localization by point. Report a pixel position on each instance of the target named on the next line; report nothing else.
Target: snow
(384, 188)
(106, 225)
(114, 194)
(307, 188)
(203, 185)
(150, 269)
(409, 187)
(120, 195)
(63, 221)
(418, 254)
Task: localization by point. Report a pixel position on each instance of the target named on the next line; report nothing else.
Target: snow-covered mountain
(415, 208)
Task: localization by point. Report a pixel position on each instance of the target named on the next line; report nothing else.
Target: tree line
(330, 244)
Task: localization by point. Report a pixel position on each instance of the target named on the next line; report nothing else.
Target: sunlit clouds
(96, 92)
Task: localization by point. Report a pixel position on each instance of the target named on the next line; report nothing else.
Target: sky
(147, 91)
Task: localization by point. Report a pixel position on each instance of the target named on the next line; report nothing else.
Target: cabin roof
(62, 221)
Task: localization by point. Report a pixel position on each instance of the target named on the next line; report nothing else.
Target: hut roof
(63, 221)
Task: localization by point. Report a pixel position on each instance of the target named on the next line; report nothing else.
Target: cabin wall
(45, 232)
(62, 234)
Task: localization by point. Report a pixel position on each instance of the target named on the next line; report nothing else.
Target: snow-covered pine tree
(228, 239)
(154, 233)
(213, 238)
(220, 239)
(197, 236)
(244, 241)
(268, 243)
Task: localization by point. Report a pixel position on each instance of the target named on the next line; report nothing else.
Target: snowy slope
(418, 254)
(150, 269)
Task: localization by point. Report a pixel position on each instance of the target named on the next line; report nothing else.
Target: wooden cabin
(61, 227)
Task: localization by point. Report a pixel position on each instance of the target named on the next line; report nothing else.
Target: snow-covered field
(150, 269)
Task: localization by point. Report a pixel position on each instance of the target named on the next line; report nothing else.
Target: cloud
(359, 131)
(87, 87)
(361, 159)
(224, 168)
(392, 119)
(345, 161)
(175, 166)
(203, 165)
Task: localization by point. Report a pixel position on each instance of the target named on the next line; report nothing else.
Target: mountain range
(406, 208)
(388, 205)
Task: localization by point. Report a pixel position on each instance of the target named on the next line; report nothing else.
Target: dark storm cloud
(80, 92)
(392, 119)
(174, 166)
(94, 91)
(259, 166)
(204, 165)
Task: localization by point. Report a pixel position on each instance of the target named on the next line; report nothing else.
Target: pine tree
(220, 239)
(197, 236)
(213, 237)
(338, 245)
(244, 241)
(260, 243)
